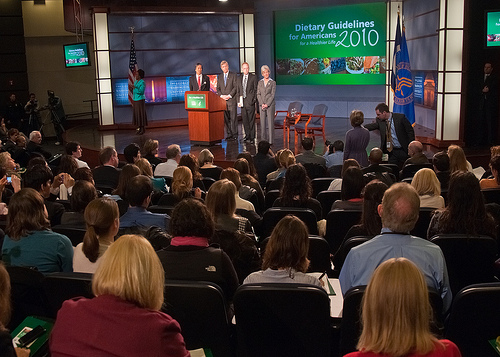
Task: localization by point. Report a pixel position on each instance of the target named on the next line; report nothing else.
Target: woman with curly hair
(297, 191)
(465, 212)
(150, 152)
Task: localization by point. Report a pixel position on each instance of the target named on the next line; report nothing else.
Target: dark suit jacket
(205, 83)
(230, 88)
(106, 176)
(489, 99)
(33, 147)
(404, 131)
(251, 98)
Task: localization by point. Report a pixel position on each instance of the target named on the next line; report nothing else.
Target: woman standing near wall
(139, 118)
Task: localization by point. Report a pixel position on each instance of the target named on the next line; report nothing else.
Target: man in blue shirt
(335, 154)
(399, 212)
(139, 196)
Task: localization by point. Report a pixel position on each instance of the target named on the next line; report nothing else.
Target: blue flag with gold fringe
(401, 79)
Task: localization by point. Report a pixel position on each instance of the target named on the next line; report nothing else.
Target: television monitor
(331, 45)
(493, 29)
(76, 55)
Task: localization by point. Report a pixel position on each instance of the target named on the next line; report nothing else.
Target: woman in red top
(124, 319)
(395, 315)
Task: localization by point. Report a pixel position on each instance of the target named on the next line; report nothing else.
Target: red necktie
(199, 82)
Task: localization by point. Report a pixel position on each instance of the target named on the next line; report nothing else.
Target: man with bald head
(377, 171)
(416, 152)
(399, 213)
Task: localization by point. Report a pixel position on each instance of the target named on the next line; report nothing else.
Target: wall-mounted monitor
(76, 55)
(493, 29)
(331, 45)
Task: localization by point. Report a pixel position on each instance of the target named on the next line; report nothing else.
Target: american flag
(132, 70)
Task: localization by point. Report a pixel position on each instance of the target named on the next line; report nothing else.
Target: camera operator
(32, 110)
(58, 116)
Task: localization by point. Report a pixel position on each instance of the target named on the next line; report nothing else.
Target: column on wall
(392, 19)
(448, 115)
(102, 66)
(247, 40)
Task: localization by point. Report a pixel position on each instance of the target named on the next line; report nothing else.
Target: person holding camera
(32, 110)
(334, 153)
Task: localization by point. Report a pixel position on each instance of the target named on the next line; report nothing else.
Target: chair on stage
(282, 320)
(286, 119)
(309, 124)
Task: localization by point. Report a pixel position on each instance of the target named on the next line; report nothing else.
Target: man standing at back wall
(227, 89)
(247, 88)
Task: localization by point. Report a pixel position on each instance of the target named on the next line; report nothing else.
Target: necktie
(389, 136)
(245, 86)
(225, 78)
(199, 82)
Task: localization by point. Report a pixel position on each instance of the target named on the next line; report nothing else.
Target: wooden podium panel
(205, 117)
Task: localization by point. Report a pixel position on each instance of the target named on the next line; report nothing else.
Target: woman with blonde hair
(207, 167)
(285, 259)
(428, 188)
(102, 220)
(458, 161)
(150, 152)
(191, 162)
(396, 315)
(182, 186)
(128, 286)
(266, 91)
(357, 139)
(146, 168)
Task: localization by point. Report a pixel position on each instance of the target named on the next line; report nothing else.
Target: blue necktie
(225, 78)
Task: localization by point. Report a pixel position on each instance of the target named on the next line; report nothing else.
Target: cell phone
(31, 336)
(9, 179)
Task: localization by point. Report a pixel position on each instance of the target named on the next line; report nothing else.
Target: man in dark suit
(107, 175)
(200, 81)
(227, 89)
(247, 90)
(396, 133)
(34, 145)
(488, 105)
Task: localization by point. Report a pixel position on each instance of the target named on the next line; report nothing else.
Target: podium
(205, 117)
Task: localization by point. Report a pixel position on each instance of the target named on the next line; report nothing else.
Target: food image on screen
(354, 65)
(371, 65)
(492, 29)
(282, 66)
(337, 65)
(493, 38)
(296, 66)
(311, 65)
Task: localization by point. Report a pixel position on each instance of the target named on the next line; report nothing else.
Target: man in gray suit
(227, 89)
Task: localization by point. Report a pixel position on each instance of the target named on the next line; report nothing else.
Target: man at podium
(200, 81)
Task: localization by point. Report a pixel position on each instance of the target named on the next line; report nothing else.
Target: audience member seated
(83, 193)
(465, 212)
(285, 159)
(173, 156)
(495, 169)
(11, 143)
(207, 167)
(6, 347)
(29, 241)
(84, 173)
(221, 203)
(132, 153)
(41, 179)
(74, 149)
(441, 163)
(190, 256)
(264, 161)
(34, 145)
(191, 162)
(138, 194)
(125, 315)
(127, 173)
(37, 160)
(458, 162)
(285, 259)
(396, 315)
(247, 156)
(296, 191)
(147, 170)
(247, 179)
(150, 152)
(353, 183)
(334, 154)
(243, 192)
(308, 156)
(182, 186)
(416, 153)
(377, 171)
(67, 165)
(357, 139)
(8, 164)
(108, 174)
(102, 223)
(21, 155)
(428, 188)
(336, 184)
(370, 224)
(399, 212)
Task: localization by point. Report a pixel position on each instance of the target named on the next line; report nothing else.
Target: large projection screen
(331, 45)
